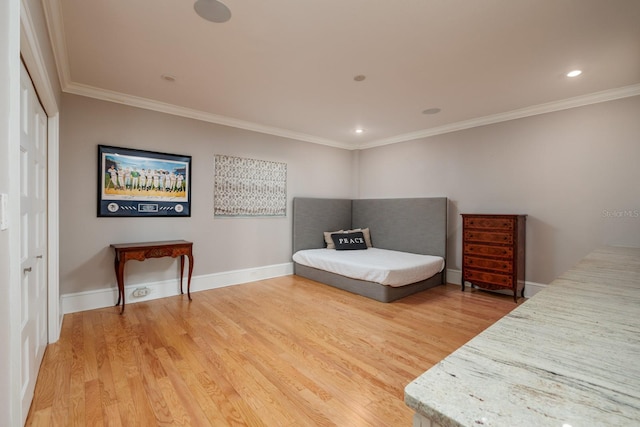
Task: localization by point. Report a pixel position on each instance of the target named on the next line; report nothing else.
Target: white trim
(10, 391)
(53, 229)
(31, 53)
(53, 15)
(530, 288)
(33, 60)
(550, 107)
(55, 23)
(454, 276)
(101, 298)
(162, 107)
(148, 104)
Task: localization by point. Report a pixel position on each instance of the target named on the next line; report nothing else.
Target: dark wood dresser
(493, 252)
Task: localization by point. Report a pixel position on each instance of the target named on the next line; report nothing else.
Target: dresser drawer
(488, 237)
(492, 223)
(503, 266)
(492, 251)
(480, 277)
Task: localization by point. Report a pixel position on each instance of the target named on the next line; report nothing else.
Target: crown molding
(148, 104)
(31, 53)
(55, 25)
(53, 14)
(549, 107)
(162, 107)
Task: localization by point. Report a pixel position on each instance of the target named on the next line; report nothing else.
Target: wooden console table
(142, 251)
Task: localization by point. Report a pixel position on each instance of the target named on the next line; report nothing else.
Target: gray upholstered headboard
(312, 217)
(417, 225)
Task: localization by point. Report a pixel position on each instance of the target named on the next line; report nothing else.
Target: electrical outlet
(141, 292)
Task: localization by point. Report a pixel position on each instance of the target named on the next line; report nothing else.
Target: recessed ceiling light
(574, 73)
(431, 111)
(168, 77)
(359, 130)
(359, 77)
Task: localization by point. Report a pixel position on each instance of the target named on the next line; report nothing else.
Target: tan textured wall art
(249, 187)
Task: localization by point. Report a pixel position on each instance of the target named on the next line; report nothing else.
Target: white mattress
(392, 268)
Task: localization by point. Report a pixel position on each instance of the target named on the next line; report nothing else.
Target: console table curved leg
(190, 255)
(115, 266)
(190, 273)
(120, 278)
(181, 272)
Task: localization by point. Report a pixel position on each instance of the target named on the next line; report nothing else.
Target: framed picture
(249, 187)
(135, 183)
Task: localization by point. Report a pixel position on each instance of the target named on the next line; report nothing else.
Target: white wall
(574, 172)
(220, 245)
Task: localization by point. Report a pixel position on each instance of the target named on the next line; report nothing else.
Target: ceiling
(287, 67)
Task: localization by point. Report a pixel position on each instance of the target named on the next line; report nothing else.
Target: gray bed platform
(416, 225)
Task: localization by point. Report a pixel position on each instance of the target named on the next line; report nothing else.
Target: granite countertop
(568, 357)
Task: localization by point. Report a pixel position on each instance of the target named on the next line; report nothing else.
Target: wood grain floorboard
(280, 352)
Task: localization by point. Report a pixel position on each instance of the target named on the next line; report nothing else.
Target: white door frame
(33, 59)
(22, 41)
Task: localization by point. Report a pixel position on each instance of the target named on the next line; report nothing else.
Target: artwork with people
(133, 182)
(133, 177)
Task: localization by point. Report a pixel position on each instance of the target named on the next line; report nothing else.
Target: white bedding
(392, 268)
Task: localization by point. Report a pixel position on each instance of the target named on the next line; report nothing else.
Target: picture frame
(249, 188)
(140, 183)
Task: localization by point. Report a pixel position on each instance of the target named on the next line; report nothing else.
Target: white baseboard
(101, 298)
(530, 288)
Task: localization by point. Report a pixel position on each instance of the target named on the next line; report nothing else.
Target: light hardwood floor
(281, 352)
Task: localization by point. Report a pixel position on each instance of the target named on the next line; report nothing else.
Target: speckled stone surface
(569, 356)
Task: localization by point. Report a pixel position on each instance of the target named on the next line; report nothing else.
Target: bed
(413, 226)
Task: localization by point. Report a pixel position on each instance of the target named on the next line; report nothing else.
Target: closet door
(33, 237)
